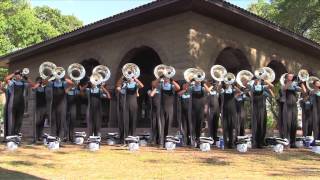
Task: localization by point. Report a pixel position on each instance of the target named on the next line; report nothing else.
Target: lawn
(114, 162)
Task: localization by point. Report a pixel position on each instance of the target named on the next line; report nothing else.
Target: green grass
(75, 162)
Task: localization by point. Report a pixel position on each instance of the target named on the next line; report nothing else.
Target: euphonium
(96, 78)
(76, 72)
(169, 72)
(104, 71)
(229, 78)
(159, 70)
(59, 72)
(194, 74)
(199, 75)
(242, 76)
(259, 73)
(310, 82)
(130, 70)
(46, 69)
(269, 74)
(303, 75)
(218, 72)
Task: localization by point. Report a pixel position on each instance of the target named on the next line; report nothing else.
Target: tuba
(218, 72)
(169, 72)
(194, 74)
(159, 70)
(303, 75)
(59, 72)
(104, 71)
(46, 70)
(269, 74)
(282, 79)
(130, 70)
(188, 74)
(25, 71)
(76, 72)
(259, 73)
(229, 78)
(310, 82)
(96, 78)
(244, 75)
(199, 75)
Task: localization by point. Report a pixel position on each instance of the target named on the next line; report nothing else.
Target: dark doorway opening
(147, 59)
(278, 69)
(233, 60)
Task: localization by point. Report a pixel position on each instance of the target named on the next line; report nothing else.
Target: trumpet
(46, 70)
(229, 78)
(310, 82)
(76, 72)
(130, 70)
(194, 74)
(104, 71)
(59, 72)
(244, 75)
(218, 72)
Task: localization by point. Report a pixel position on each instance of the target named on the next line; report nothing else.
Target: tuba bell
(194, 74)
(104, 71)
(310, 82)
(188, 74)
(169, 72)
(218, 72)
(59, 72)
(229, 78)
(130, 70)
(259, 73)
(76, 72)
(199, 75)
(25, 71)
(46, 70)
(303, 75)
(269, 74)
(96, 78)
(159, 70)
(244, 75)
(282, 79)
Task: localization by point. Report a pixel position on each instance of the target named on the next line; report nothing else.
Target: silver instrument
(96, 78)
(303, 75)
(282, 79)
(169, 72)
(76, 72)
(259, 73)
(244, 75)
(229, 78)
(46, 70)
(194, 74)
(104, 71)
(269, 74)
(159, 70)
(310, 82)
(59, 72)
(130, 70)
(218, 72)
(25, 71)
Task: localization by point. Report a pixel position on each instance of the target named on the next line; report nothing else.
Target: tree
(299, 16)
(21, 25)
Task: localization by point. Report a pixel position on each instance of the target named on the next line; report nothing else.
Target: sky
(90, 11)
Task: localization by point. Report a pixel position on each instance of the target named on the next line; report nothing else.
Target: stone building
(181, 33)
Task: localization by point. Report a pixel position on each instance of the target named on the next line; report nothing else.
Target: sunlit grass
(75, 162)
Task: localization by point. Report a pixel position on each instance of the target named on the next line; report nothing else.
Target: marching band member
(229, 112)
(105, 104)
(316, 109)
(94, 110)
(290, 111)
(41, 107)
(155, 113)
(73, 93)
(128, 105)
(214, 109)
(306, 106)
(17, 84)
(258, 103)
(241, 97)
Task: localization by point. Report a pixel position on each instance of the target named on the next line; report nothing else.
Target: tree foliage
(299, 16)
(21, 25)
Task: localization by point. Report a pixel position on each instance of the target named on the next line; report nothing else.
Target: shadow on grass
(306, 171)
(20, 163)
(214, 161)
(10, 174)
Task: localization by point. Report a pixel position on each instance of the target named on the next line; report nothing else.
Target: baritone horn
(194, 74)
(104, 71)
(169, 72)
(218, 72)
(303, 75)
(96, 78)
(229, 78)
(76, 72)
(59, 72)
(269, 74)
(242, 76)
(130, 70)
(46, 70)
(159, 70)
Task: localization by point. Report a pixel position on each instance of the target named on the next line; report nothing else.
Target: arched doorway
(278, 69)
(147, 59)
(233, 60)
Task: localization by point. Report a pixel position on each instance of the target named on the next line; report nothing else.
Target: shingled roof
(217, 9)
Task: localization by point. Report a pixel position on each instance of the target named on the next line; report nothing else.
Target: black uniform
(214, 113)
(198, 102)
(306, 106)
(316, 116)
(41, 112)
(58, 108)
(94, 115)
(72, 104)
(229, 115)
(156, 118)
(241, 114)
(16, 105)
(187, 125)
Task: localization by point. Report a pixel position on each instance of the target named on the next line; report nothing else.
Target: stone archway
(278, 68)
(234, 60)
(147, 59)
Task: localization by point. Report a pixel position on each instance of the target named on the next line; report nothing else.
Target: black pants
(290, 117)
(228, 119)
(197, 115)
(316, 118)
(41, 114)
(186, 122)
(94, 115)
(306, 119)
(131, 115)
(258, 120)
(58, 114)
(166, 115)
(72, 103)
(241, 116)
(156, 120)
(15, 118)
(213, 117)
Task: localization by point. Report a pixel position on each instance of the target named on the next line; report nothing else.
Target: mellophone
(224, 84)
